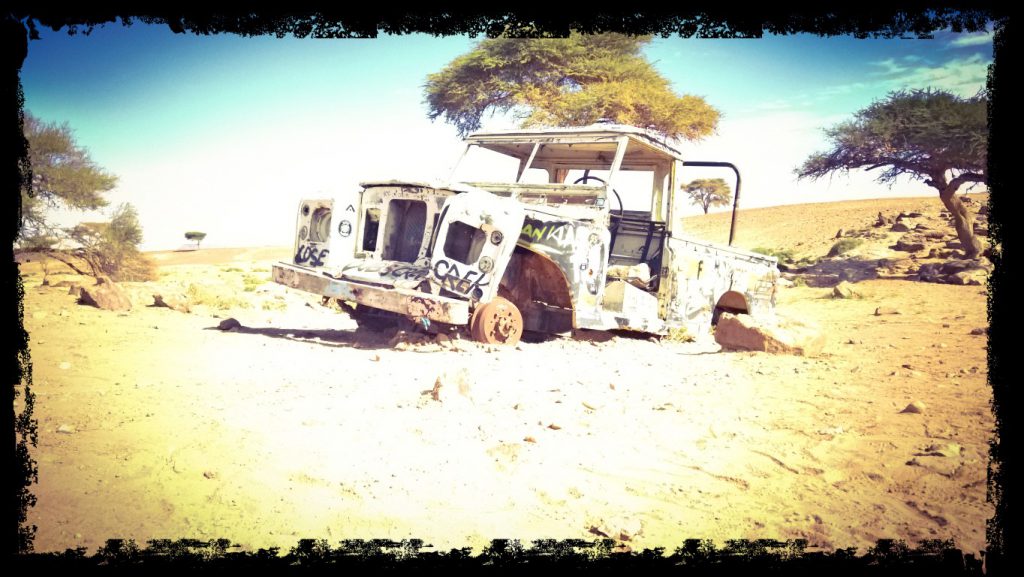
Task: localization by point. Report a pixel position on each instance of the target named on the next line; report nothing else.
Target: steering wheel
(583, 180)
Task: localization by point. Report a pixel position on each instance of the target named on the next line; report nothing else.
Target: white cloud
(980, 39)
(963, 76)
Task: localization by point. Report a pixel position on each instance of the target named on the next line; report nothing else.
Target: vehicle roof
(505, 140)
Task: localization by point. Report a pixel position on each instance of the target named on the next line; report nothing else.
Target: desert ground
(299, 424)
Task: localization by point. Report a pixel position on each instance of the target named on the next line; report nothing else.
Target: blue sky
(225, 134)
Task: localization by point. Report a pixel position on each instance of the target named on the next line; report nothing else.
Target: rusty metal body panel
(567, 252)
(395, 299)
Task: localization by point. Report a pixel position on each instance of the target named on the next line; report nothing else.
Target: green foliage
(572, 81)
(63, 176)
(219, 299)
(779, 253)
(679, 335)
(195, 236)
(786, 256)
(251, 282)
(708, 192)
(844, 245)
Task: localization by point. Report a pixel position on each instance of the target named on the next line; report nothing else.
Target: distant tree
(708, 192)
(195, 236)
(571, 81)
(930, 135)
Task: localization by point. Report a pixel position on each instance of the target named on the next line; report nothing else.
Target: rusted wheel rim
(497, 322)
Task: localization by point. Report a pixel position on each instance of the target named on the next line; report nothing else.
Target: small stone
(375, 358)
(529, 440)
(66, 429)
(943, 450)
(916, 407)
(210, 474)
(229, 324)
(886, 311)
(979, 331)
(554, 427)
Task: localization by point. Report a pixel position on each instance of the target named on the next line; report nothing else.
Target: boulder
(744, 333)
(229, 324)
(843, 290)
(172, 301)
(106, 295)
(909, 243)
(900, 226)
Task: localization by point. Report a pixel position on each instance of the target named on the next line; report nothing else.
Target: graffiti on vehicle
(556, 234)
(453, 279)
(312, 254)
(399, 270)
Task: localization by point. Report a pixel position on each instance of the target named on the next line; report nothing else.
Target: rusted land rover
(579, 234)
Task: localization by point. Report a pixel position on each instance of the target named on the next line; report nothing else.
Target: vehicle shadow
(359, 338)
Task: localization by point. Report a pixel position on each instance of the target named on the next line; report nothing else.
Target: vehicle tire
(497, 322)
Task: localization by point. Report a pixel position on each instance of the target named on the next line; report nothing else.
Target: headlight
(320, 225)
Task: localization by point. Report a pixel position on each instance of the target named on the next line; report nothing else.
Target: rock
(935, 235)
(784, 282)
(943, 450)
(900, 226)
(979, 331)
(529, 439)
(916, 407)
(974, 277)
(909, 243)
(229, 324)
(955, 266)
(839, 234)
(172, 301)
(886, 311)
(743, 333)
(66, 430)
(844, 290)
(954, 244)
(446, 385)
(106, 295)
(620, 529)
(914, 215)
(983, 209)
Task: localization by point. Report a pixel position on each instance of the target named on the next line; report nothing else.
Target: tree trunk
(962, 221)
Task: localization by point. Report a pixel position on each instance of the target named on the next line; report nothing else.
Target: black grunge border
(891, 19)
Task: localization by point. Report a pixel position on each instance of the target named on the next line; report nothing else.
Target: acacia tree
(708, 192)
(571, 81)
(929, 135)
(64, 177)
(195, 236)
